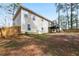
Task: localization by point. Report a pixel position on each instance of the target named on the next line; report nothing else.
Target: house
(31, 22)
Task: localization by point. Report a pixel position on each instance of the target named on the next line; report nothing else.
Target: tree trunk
(77, 19)
(59, 19)
(71, 17)
(67, 19)
(1, 32)
(13, 10)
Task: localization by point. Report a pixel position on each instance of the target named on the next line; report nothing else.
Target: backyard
(56, 44)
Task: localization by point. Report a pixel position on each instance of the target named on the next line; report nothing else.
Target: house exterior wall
(38, 25)
(25, 21)
(17, 21)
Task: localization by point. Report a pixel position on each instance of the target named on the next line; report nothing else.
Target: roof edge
(30, 11)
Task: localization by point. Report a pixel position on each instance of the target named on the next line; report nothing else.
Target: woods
(69, 13)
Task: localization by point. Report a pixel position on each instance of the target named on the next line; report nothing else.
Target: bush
(10, 31)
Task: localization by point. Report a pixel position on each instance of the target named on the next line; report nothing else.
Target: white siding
(45, 26)
(25, 21)
(17, 21)
(40, 23)
(36, 25)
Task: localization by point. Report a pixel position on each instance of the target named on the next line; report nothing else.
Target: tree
(70, 17)
(11, 8)
(71, 8)
(3, 21)
(66, 9)
(74, 8)
(77, 7)
(0, 28)
(58, 9)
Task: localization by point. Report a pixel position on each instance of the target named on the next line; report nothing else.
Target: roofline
(17, 12)
(30, 11)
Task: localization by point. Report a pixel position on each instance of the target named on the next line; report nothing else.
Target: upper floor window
(33, 17)
(25, 15)
(28, 27)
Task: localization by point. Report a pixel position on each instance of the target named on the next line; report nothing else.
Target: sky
(47, 10)
(5, 18)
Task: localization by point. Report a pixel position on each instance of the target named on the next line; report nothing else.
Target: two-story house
(30, 21)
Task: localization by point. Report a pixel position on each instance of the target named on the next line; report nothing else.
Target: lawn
(55, 44)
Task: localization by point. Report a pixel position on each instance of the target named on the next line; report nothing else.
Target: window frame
(25, 15)
(28, 27)
(42, 28)
(34, 18)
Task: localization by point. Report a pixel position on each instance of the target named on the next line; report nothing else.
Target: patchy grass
(42, 44)
(12, 44)
(39, 36)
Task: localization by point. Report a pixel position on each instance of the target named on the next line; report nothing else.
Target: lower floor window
(29, 27)
(42, 28)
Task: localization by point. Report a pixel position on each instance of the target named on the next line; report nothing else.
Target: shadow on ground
(61, 45)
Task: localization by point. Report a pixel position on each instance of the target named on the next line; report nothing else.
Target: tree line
(69, 13)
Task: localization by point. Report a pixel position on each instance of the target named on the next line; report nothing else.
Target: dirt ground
(56, 44)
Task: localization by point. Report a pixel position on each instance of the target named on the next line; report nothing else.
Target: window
(34, 18)
(29, 27)
(42, 28)
(25, 15)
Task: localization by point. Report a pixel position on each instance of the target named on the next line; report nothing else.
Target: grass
(12, 44)
(38, 36)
